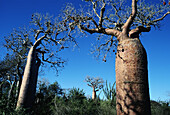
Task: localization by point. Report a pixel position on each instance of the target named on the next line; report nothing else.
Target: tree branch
(94, 22)
(116, 12)
(135, 32)
(94, 9)
(101, 14)
(37, 34)
(39, 41)
(47, 60)
(106, 31)
(159, 19)
(131, 18)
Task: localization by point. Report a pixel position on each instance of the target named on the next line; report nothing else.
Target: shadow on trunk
(132, 79)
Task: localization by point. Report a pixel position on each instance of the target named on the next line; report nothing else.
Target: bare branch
(128, 23)
(94, 9)
(116, 12)
(39, 41)
(91, 31)
(37, 34)
(106, 31)
(159, 19)
(96, 25)
(51, 62)
(101, 14)
(135, 32)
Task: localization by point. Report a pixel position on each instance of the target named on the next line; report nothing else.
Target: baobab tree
(43, 42)
(125, 23)
(96, 83)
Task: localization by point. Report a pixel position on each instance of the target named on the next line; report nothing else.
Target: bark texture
(132, 78)
(28, 86)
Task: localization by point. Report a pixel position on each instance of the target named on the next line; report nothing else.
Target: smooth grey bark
(28, 86)
(29, 81)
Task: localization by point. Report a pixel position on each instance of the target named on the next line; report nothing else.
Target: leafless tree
(124, 23)
(96, 83)
(42, 43)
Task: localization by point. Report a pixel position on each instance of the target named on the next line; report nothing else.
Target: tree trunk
(132, 90)
(18, 86)
(28, 86)
(94, 94)
(10, 92)
(19, 79)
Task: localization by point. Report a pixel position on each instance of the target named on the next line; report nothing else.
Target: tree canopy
(110, 17)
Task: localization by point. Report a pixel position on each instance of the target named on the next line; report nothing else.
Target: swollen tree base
(132, 79)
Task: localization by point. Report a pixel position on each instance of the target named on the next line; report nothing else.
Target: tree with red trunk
(96, 83)
(124, 23)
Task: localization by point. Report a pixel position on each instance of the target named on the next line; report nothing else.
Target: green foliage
(160, 108)
(51, 100)
(45, 96)
(110, 93)
(75, 103)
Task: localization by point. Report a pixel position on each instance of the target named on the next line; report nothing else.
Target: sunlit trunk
(28, 86)
(132, 90)
(11, 89)
(10, 92)
(94, 94)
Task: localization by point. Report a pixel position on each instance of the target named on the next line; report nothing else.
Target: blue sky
(17, 13)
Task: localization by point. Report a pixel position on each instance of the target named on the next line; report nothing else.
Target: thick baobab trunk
(28, 86)
(132, 78)
(94, 94)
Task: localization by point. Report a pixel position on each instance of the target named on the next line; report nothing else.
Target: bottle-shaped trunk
(132, 90)
(28, 86)
(94, 94)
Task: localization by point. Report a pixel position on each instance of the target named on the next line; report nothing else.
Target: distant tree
(42, 42)
(96, 83)
(124, 23)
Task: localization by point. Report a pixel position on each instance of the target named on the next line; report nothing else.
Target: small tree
(96, 83)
